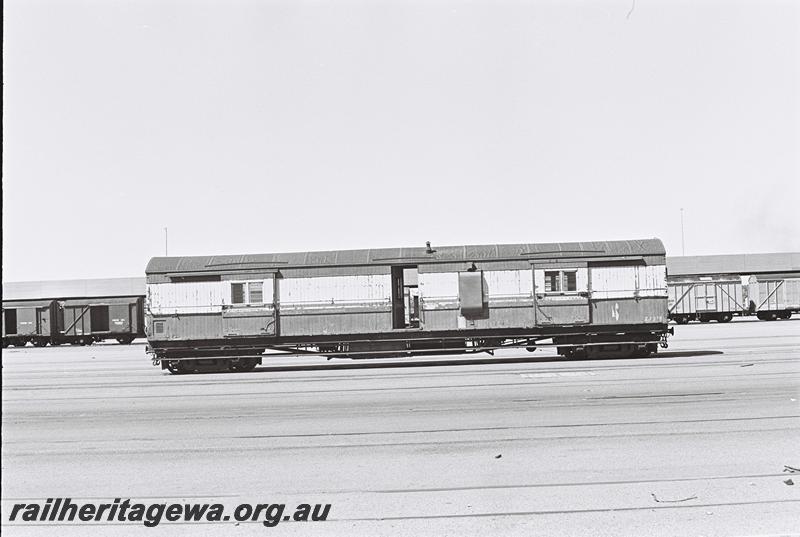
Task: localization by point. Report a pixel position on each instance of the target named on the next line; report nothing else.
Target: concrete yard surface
(703, 439)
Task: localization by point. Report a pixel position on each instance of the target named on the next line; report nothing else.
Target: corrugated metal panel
(562, 309)
(730, 296)
(336, 290)
(651, 280)
(509, 283)
(629, 311)
(681, 298)
(248, 321)
(189, 297)
(624, 282)
(792, 293)
(439, 285)
(208, 326)
(613, 282)
(777, 295)
(302, 323)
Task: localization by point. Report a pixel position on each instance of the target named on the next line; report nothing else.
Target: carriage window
(552, 281)
(237, 293)
(243, 293)
(256, 292)
(560, 281)
(10, 317)
(570, 281)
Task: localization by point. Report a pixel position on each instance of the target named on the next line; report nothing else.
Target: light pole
(683, 246)
(166, 241)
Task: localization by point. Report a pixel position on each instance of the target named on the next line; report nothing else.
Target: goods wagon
(773, 299)
(76, 321)
(86, 320)
(591, 299)
(705, 299)
(29, 321)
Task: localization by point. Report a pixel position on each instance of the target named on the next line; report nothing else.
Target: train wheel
(174, 367)
(126, 340)
(39, 342)
(5, 344)
(704, 319)
(725, 318)
(243, 365)
(786, 315)
(682, 320)
(772, 316)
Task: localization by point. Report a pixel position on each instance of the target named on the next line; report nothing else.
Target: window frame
(247, 293)
(561, 281)
(548, 279)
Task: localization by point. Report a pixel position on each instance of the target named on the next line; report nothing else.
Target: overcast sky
(288, 126)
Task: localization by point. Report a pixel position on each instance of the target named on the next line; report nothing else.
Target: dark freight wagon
(586, 299)
(87, 320)
(29, 321)
(76, 321)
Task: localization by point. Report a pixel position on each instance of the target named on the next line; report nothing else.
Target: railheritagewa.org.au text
(64, 510)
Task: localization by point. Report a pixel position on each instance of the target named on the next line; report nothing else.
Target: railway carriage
(591, 299)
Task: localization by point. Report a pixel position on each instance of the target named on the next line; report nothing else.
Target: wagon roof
(101, 301)
(26, 304)
(73, 288)
(744, 264)
(399, 256)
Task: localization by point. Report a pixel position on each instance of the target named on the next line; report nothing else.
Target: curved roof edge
(386, 256)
